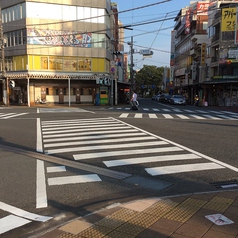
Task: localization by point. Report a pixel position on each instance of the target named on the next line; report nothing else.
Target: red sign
(187, 22)
(202, 8)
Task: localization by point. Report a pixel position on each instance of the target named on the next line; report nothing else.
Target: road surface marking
(94, 142)
(212, 117)
(15, 115)
(182, 168)
(197, 117)
(167, 116)
(105, 147)
(201, 111)
(103, 128)
(152, 116)
(41, 197)
(138, 115)
(125, 152)
(184, 148)
(93, 132)
(21, 213)
(11, 222)
(74, 179)
(121, 162)
(124, 115)
(182, 116)
(54, 169)
(226, 117)
(97, 136)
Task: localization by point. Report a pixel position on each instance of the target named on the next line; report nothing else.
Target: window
(47, 91)
(65, 91)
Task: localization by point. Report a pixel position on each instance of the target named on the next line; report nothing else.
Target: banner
(58, 37)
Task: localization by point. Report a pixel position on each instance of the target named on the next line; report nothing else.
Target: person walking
(196, 100)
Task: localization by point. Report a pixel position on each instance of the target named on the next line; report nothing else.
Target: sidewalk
(175, 217)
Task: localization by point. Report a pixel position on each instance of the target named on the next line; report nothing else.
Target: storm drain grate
(225, 184)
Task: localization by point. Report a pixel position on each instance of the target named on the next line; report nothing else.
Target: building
(222, 81)
(205, 53)
(189, 49)
(59, 51)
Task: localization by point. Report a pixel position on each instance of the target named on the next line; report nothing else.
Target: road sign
(112, 70)
(146, 52)
(11, 84)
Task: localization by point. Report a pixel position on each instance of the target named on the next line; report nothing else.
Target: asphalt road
(93, 156)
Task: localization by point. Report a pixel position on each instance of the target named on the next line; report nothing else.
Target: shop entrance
(61, 95)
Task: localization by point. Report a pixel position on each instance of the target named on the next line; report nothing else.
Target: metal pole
(28, 92)
(4, 79)
(116, 75)
(69, 90)
(112, 90)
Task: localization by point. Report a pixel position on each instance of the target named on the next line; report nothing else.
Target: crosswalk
(173, 110)
(113, 143)
(11, 115)
(55, 110)
(221, 116)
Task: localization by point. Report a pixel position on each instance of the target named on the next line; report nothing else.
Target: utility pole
(132, 63)
(2, 45)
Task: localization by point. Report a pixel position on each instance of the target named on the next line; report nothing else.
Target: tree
(149, 79)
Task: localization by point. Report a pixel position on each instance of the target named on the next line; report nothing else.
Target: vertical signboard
(228, 21)
(203, 54)
(172, 56)
(187, 21)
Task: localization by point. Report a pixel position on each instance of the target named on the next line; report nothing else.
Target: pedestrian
(196, 100)
(134, 102)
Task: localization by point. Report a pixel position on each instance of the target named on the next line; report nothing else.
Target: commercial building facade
(59, 51)
(205, 54)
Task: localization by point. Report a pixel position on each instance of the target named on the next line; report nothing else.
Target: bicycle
(44, 101)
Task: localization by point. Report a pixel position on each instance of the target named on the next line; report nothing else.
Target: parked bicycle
(40, 101)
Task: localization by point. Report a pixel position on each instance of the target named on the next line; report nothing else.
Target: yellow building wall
(35, 63)
(20, 62)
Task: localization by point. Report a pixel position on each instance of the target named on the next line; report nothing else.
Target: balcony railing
(215, 38)
(214, 59)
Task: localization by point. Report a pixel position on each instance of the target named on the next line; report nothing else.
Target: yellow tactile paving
(219, 204)
(94, 231)
(185, 210)
(123, 214)
(116, 234)
(137, 224)
(66, 235)
(160, 208)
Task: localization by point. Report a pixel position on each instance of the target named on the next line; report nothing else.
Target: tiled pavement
(175, 217)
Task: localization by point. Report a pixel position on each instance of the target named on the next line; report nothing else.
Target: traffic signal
(11, 84)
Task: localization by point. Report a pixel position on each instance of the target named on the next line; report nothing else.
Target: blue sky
(154, 36)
